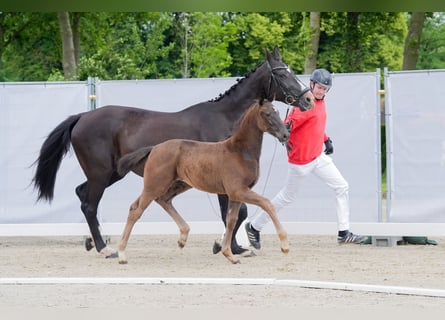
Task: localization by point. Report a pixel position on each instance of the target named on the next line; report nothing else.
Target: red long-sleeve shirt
(307, 135)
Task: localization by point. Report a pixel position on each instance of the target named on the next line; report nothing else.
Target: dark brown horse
(102, 136)
(228, 167)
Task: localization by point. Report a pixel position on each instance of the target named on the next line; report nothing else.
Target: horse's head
(285, 86)
(270, 121)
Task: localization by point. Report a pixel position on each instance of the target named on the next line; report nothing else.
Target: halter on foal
(228, 167)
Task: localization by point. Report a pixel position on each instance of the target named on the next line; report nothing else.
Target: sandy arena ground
(313, 258)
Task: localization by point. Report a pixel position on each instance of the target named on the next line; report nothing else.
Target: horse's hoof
(285, 250)
(236, 261)
(248, 254)
(123, 261)
(108, 252)
(114, 255)
(239, 250)
(89, 244)
(181, 244)
(216, 247)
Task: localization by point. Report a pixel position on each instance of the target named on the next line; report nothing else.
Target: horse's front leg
(231, 219)
(165, 201)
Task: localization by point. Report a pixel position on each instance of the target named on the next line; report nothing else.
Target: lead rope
(270, 165)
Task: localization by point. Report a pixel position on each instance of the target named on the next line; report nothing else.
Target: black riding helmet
(322, 76)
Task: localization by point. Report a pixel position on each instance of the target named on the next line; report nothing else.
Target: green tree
(361, 41)
(432, 45)
(69, 52)
(295, 39)
(209, 38)
(31, 47)
(255, 33)
(123, 45)
(11, 26)
(148, 45)
(312, 50)
(412, 41)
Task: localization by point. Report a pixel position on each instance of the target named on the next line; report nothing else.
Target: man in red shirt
(305, 155)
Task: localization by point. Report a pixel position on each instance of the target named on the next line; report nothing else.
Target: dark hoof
(239, 250)
(235, 250)
(112, 256)
(89, 244)
(216, 247)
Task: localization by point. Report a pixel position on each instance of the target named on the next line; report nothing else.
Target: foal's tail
(130, 160)
(52, 151)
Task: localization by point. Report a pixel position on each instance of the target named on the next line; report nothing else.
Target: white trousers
(324, 168)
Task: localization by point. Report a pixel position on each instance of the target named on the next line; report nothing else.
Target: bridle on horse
(288, 98)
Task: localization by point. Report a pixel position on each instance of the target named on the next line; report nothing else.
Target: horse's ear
(276, 53)
(267, 53)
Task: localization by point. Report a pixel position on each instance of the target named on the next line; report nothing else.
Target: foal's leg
(136, 210)
(242, 215)
(165, 201)
(232, 217)
(251, 197)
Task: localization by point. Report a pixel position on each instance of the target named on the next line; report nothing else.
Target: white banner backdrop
(353, 125)
(29, 112)
(416, 146)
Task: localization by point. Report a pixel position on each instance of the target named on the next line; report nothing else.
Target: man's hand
(329, 148)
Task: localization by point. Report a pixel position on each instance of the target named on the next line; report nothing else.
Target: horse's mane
(238, 81)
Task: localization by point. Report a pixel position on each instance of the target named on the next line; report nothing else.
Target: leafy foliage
(149, 45)
(357, 42)
(432, 50)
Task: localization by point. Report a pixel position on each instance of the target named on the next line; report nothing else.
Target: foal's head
(269, 121)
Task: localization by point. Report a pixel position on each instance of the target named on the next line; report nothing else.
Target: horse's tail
(130, 160)
(52, 151)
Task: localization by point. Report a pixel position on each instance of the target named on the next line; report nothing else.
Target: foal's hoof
(285, 250)
(89, 244)
(181, 244)
(122, 257)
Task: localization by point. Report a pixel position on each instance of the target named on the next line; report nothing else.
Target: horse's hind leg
(184, 228)
(82, 194)
(136, 210)
(165, 201)
(90, 195)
